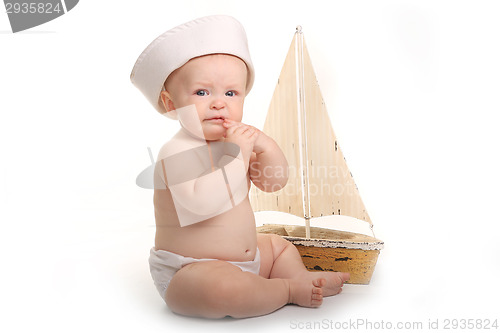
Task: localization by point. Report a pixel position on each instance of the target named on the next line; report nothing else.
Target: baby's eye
(201, 93)
(231, 93)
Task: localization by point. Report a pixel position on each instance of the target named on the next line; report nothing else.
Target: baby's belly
(230, 236)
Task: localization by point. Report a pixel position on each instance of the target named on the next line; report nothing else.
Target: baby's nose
(217, 104)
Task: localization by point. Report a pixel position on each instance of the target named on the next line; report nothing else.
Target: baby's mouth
(216, 119)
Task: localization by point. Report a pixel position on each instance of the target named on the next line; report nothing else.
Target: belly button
(247, 251)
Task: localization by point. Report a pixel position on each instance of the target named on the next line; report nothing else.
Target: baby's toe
(319, 282)
(317, 291)
(345, 277)
(317, 297)
(316, 300)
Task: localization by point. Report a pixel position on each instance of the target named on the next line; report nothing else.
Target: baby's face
(216, 85)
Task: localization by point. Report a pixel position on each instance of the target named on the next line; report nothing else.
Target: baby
(208, 260)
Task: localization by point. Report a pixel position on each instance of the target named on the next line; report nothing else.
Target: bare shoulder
(178, 144)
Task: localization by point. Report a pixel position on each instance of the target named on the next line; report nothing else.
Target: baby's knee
(206, 290)
(279, 244)
(272, 239)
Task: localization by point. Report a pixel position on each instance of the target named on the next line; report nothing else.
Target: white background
(412, 89)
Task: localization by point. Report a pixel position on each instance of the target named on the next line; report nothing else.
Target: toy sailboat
(320, 185)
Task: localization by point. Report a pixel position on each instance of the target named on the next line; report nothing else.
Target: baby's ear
(166, 99)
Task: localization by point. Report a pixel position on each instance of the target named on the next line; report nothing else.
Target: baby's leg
(280, 259)
(217, 289)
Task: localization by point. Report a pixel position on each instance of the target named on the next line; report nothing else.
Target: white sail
(320, 183)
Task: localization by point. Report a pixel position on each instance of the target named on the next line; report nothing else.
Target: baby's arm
(268, 167)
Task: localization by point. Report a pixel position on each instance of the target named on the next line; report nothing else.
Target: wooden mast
(301, 104)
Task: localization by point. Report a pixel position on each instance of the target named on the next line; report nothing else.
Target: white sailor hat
(175, 47)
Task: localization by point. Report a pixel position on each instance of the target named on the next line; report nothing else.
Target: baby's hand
(260, 141)
(243, 135)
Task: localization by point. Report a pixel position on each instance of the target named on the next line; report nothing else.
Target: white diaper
(164, 264)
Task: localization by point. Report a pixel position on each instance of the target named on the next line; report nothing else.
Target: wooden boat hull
(332, 250)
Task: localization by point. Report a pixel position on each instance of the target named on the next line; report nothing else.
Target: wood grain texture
(330, 185)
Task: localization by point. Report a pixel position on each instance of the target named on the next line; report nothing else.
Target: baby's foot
(306, 292)
(334, 281)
